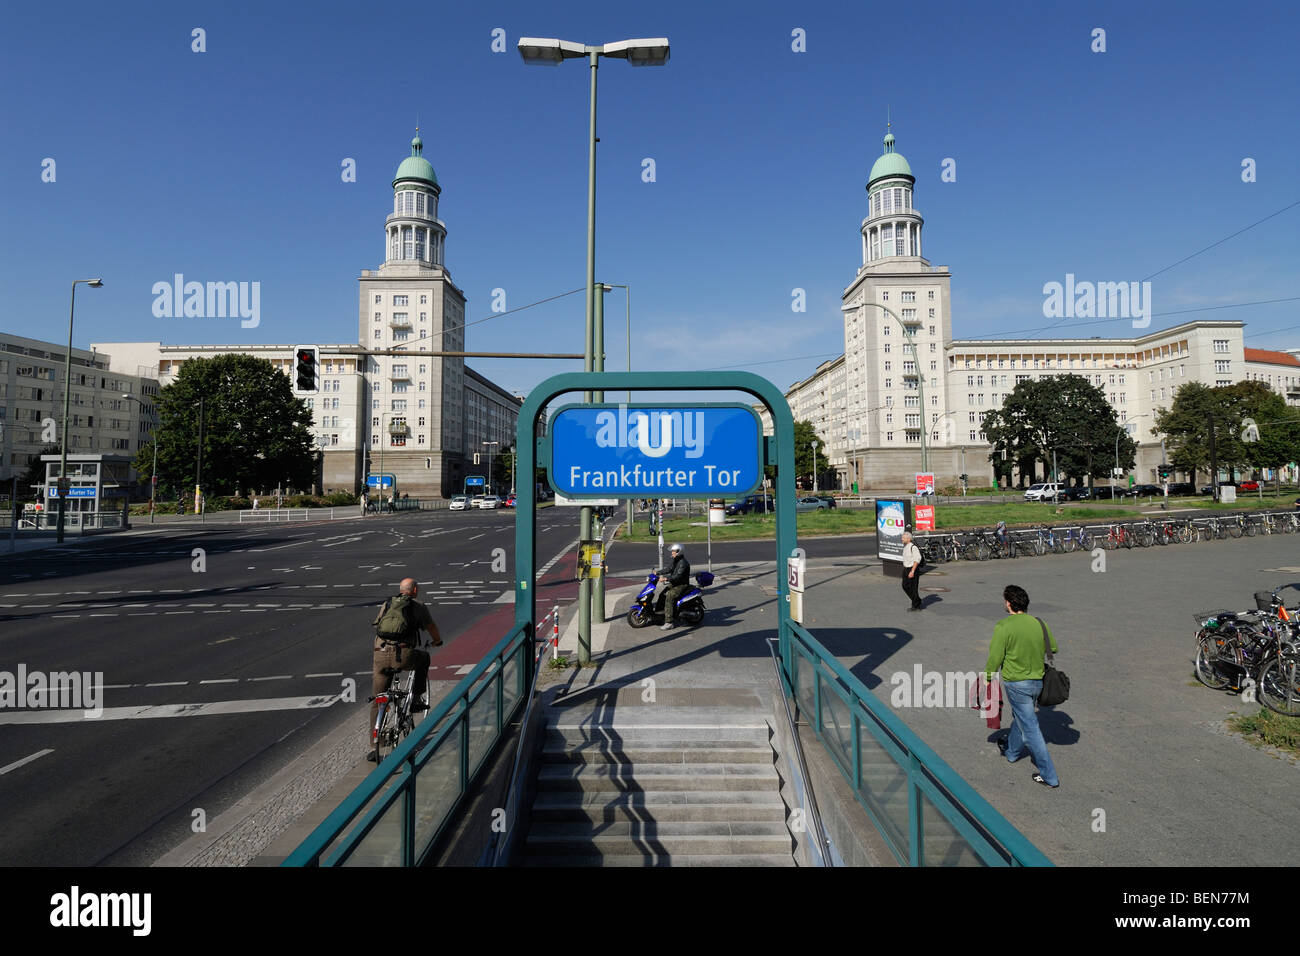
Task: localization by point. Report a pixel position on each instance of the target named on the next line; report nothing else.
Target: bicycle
(1077, 538)
(394, 720)
(1117, 536)
(974, 547)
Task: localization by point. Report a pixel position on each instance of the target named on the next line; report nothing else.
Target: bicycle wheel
(381, 732)
(1069, 541)
(1251, 529)
(982, 551)
(1234, 529)
(1039, 545)
(1187, 534)
(1211, 652)
(1279, 685)
(1086, 540)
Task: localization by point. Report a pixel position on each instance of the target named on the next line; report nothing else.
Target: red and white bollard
(555, 633)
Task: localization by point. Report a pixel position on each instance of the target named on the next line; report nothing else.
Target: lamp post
(551, 52)
(67, 394)
(489, 474)
(153, 438)
(1127, 430)
(628, 290)
(814, 467)
(920, 378)
(198, 476)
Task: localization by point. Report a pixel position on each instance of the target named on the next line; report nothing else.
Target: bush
(340, 499)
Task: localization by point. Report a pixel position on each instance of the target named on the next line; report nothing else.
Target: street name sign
(655, 451)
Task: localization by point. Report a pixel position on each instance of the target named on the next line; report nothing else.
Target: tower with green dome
(895, 389)
(416, 412)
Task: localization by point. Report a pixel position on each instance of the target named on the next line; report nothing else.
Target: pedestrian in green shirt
(1017, 651)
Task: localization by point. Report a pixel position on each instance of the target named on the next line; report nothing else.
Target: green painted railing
(926, 813)
(395, 816)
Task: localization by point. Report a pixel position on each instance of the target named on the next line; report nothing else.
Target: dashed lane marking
(171, 710)
(26, 760)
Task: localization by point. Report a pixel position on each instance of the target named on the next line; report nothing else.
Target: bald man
(405, 651)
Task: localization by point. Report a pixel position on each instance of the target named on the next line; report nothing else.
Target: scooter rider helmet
(675, 548)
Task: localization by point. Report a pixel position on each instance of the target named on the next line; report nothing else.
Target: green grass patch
(1268, 728)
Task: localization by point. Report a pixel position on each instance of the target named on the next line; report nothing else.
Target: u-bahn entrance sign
(635, 451)
(655, 451)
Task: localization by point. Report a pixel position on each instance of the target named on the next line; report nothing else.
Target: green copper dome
(416, 166)
(889, 164)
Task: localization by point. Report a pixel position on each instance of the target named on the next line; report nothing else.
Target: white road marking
(464, 669)
(28, 759)
(222, 680)
(174, 683)
(144, 614)
(507, 597)
(276, 677)
(339, 674)
(255, 706)
(115, 686)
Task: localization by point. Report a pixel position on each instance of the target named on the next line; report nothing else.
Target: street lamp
(198, 478)
(814, 467)
(153, 438)
(489, 474)
(537, 51)
(920, 378)
(67, 394)
(1128, 431)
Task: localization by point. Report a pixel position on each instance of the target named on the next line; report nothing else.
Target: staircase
(642, 794)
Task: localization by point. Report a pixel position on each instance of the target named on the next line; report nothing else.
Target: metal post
(1214, 462)
(584, 517)
(13, 521)
(814, 464)
(198, 481)
(63, 442)
(598, 359)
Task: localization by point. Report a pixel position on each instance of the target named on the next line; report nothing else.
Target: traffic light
(1164, 471)
(306, 369)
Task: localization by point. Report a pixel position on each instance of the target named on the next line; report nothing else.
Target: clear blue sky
(225, 165)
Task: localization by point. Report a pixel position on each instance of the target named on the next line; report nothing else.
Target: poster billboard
(892, 518)
(925, 517)
(925, 483)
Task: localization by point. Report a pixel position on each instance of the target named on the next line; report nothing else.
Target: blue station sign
(379, 481)
(76, 491)
(667, 451)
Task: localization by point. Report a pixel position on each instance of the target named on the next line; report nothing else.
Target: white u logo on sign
(665, 435)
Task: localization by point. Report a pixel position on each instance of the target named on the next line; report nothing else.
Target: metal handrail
(993, 838)
(823, 844)
(410, 756)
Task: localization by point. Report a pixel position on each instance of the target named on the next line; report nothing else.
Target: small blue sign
(474, 481)
(667, 451)
(73, 492)
(374, 481)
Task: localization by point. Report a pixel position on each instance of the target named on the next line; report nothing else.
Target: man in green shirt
(1017, 651)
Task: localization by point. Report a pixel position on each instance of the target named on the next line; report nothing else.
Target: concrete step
(577, 805)
(666, 732)
(674, 859)
(629, 752)
(649, 777)
(666, 839)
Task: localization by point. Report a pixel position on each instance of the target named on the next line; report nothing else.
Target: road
(224, 651)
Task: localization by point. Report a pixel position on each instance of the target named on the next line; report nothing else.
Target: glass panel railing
(883, 789)
(438, 786)
(482, 724)
(926, 813)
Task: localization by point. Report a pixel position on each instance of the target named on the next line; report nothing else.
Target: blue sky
(225, 166)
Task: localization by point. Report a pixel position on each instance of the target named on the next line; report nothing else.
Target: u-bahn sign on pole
(655, 451)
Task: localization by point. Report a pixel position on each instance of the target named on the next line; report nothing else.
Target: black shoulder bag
(1056, 686)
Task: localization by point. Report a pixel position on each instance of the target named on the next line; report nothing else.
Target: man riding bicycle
(399, 646)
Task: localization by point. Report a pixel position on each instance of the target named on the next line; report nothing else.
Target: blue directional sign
(379, 481)
(77, 491)
(666, 451)
(474, 481)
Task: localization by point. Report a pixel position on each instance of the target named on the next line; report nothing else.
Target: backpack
(397, 621)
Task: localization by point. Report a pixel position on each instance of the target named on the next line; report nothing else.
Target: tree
(255, 432)
(1187, 425)
(1066, 414)
(804, 436)
(35, 473)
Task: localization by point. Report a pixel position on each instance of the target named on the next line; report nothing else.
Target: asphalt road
(217, 668)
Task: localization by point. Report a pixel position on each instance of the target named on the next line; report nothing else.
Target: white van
(1043, 491)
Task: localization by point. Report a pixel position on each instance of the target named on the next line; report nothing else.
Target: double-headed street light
(153, 440)
(537, 51)
(64, 484)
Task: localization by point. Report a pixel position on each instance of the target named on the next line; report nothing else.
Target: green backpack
(397, 621)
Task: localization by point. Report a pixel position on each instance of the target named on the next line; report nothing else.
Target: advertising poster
(892, 519)
(925, 483)
(925, 517)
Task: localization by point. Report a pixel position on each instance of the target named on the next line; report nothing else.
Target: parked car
(1177, 488)
(459, 503)
(1079, 493)
(810, 504)
(1209, 489)
(1146, 491)
(476, 501)
(489, 502)
(750, 503)
(830, 502)
(509, 501)
(1043, 491)
(1251, 485)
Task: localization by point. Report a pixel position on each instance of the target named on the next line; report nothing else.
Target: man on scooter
(679, 580)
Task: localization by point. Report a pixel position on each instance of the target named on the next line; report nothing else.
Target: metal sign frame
(777, 450)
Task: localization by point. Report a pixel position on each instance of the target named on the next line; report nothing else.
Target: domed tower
(414, 403)
(893, 226)
(414, 233)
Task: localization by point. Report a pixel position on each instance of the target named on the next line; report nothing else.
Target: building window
(886, 366)
(422, 299)
(1221, 345)
(378, 334)
(399, 300)
(909, 297)
(378, 299)
(884, 296)
(1221, 365)
(889, 418)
